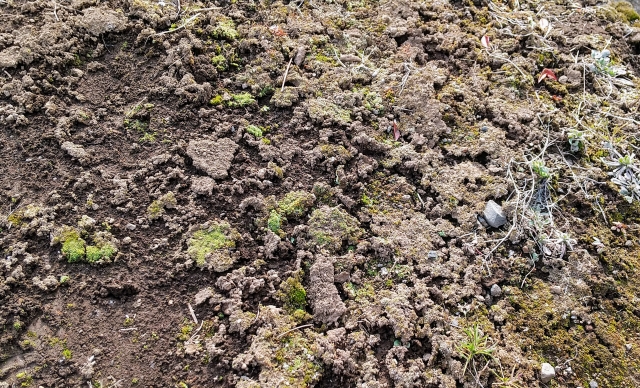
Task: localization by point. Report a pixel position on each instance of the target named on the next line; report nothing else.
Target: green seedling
(475, 345)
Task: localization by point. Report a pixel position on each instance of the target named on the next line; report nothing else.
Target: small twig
(129, 329)
(179, 8)
(195, 333)
(193, 314)
(183, 25)
(295, 328)
(55, 9)
(286, 73)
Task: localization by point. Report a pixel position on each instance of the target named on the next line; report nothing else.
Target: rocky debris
(203, 295)
(325, 299)
(212, 157)
(99, 21)
(493, 215)
(202, 185)
(547, 373)
(496, 291)
(76, 151)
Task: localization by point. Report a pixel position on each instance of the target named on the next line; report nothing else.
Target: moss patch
(157, 207)
(210, 246)
(329, 227)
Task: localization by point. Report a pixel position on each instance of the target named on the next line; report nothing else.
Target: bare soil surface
(319, 193)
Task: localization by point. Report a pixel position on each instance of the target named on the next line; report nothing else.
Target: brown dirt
(152, 163)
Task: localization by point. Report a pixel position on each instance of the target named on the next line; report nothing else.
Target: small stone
(432, 255)
(126, 240)
(496, 291)
(300, 54)
(203, 295)
(130, 226)
(593, 384)
(384, 272)
(628, 347)
(494, 215)
(556, 290)
(547, 373)
(628, 243)
(588, 328)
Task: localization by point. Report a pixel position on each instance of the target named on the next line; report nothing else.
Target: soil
(256, 193)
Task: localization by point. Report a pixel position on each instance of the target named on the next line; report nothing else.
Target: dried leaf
(547, 73)
(396, 131)
(485, 41)
(544, 25)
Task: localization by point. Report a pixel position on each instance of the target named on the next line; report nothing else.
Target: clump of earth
(367, 193)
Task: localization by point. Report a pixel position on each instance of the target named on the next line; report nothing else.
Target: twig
(195, 333)
(179, 8)
(129, 329)
(295, 328)
(193, 314)
(183, 25)
(55, 8)
(286, 73)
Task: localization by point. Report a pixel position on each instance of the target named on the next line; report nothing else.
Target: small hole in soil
(401, 39)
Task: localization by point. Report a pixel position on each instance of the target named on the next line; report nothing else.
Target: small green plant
(577, 141)
(274, 222)
(128, 321)
(293, 295)
(255, 131)
(66, 353)
(540, 169)
(475, 345)
(25, 379)
(64, 279)
(134, 381)
(241, 100)
(17, 325)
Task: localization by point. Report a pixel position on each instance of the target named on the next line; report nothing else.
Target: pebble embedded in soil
(547, 372)
(496, 291)
(493, 215)
(593, 384)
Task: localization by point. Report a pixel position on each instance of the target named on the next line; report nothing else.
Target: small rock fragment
(212, 157)
(75, 151)
(300, 54)
(496, 291)
(203, 295)
(547, 373)
(494, 215)
(593, 384)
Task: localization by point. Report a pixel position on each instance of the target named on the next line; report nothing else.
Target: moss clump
(296, 204)
(18, 217)
(220, 62)
(103, 250)
(274, 222)
(255, 131)
(76, 249)
(329, 227)
(66, 353)
(225, 29)
(241, 100)
(626, 11)
(322, 109)
(73, 246)
(216, 100)
(157, 207)
(293, 295)
(209, 246)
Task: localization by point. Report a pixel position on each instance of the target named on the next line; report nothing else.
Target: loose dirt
(255, 193)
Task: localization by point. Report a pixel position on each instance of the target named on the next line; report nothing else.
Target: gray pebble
(493, 215)
(496, 291)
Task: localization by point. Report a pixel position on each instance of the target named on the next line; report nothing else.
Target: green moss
(254, 130)
(330, 227)
(216, 100)
(209, 247)
(293, 295)
(627, 11)
(66, 353)
(73, 247)
(321, 109)
(19, 217)
(296, 203)
(225, 29)
(241, 100)
(333, 150)
(276, 169)
(274, 222)
(220, 62)
(25, 379)
(157, 208)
